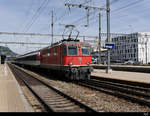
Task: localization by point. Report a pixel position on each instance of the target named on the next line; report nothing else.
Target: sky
(34, 16)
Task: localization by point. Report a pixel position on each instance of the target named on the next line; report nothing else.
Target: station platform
(131, 68)
(123, 75)
(11, 96)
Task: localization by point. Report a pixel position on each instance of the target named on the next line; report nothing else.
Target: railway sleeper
(58, 103)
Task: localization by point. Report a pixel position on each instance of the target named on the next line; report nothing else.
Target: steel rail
(88, 109)
(125, 83)
(117, 94)
(46, 106)
(117, 88)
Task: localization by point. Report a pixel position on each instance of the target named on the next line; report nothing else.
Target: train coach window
(85, 50)
(72, 50)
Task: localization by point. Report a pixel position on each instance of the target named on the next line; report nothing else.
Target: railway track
(131, 92)
(52, 99)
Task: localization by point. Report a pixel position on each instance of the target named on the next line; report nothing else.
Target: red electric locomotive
(68, 57)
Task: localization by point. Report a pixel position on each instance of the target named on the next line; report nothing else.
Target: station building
(135, 47)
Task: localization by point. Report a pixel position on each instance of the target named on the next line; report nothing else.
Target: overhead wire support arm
(82, 6)
(86, 8)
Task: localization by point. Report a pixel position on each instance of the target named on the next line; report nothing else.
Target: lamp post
(108, 70)
(99, 42)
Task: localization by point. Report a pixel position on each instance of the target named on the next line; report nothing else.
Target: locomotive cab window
(85, 50)
(72, 50)
(65, 50)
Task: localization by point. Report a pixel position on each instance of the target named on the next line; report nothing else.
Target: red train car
(68, 58)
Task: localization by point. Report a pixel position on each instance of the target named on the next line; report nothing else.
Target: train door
(61, 55)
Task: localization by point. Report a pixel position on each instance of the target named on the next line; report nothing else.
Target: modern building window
(134, 50)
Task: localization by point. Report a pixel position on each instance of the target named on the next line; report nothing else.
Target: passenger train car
(69, 58)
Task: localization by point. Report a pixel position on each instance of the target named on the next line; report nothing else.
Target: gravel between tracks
(97, 100)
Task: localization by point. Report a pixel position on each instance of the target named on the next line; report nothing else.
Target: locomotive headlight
(70, 64)
(88, 63)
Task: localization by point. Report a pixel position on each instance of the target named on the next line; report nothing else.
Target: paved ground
(123, 75)
(113, 65)
(11, 96)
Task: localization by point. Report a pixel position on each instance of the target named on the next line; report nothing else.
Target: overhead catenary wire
(36, 15)
(91, 13)
(121, 8)
(65, 13)
(128, 5)
(116, 10)
(27, 14)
